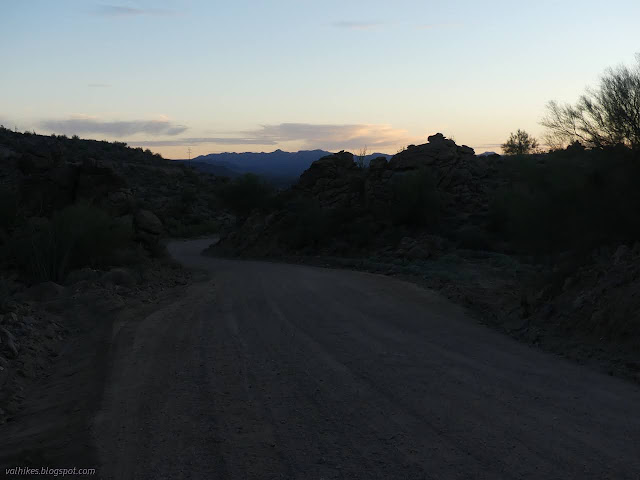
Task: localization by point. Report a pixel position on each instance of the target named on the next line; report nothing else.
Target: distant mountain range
(280, 166)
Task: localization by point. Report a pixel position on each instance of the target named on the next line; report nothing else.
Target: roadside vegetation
(76, 236)
(569, 200)
(416, 200)
(245, 194)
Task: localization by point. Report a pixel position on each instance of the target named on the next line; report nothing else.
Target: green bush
(245, 194)
(520, 143)
(308, 226)
(8, 209)
(569, 202)
(76, 236)
(416, 201)
(188, 197)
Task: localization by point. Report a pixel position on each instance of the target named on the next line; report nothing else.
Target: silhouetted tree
(361, 159)
(245, 194)
(520, 143)
(608, 115)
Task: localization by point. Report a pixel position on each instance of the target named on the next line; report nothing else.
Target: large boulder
(327, 168)
(147, 227)
(462, 179)
(335, 181)
(440, 153)
(378, 163)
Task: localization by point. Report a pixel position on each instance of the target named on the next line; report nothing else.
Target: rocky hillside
(43, 174)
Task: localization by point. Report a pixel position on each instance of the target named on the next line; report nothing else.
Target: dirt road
(271, 371)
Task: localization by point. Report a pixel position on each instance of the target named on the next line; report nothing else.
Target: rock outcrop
(338, 186)
(335, 181)
(462, 179)
(147, 227)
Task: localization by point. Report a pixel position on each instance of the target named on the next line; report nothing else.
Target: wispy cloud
(438, 26)
(98, 85)
(377, 25)
(82, 124)
(333, 136)
(358, 25)
(310, 136)
(178, 142)
(124, 11)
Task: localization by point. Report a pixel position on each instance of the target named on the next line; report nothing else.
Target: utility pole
(189, 152)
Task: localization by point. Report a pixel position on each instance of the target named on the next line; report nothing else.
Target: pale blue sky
(259, 75)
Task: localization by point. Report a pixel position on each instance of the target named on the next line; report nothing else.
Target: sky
(242, 75)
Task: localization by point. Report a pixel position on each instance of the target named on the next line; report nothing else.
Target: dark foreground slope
(283, 371)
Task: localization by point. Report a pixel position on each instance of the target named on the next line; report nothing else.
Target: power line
(189, 152)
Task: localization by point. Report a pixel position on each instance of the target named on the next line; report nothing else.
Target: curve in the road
(283, 371)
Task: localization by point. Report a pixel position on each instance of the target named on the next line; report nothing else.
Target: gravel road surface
(274, 371)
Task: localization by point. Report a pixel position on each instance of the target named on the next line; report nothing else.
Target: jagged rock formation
(336, 184)
(460, 177)
(334, 180)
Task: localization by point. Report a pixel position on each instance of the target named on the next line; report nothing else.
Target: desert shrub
(8, 209)
(416, 200)
(352, 225)
(520, 143)
(188, 197)
(308, 225)
(4, 293)
(569, 202)
(245, 194)
(76, 236)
